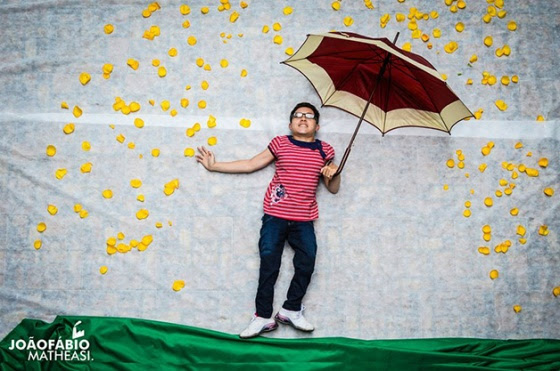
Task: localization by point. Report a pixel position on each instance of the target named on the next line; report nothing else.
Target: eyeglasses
(299, 115)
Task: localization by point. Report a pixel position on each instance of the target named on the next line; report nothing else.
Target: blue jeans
(301, 237)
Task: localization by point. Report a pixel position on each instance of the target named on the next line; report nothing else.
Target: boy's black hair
(308, 105)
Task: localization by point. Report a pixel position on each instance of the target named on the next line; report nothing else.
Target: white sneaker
(294, 318)
(257, 326)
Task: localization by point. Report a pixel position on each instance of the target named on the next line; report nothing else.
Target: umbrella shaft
(379, 77)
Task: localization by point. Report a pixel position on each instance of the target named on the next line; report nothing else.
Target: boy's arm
(332, 183)
(207, 159)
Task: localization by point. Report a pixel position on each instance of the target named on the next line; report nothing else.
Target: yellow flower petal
(512, 26)
(178, 285)
(540, 118)
(190, 132)
(189, 152)
(348, 21)
(103, 269)
(556, 291)
(60, 173)
(204, 85)
(212, 141)
(514, 211)
(142, 214)
(502, 106)
(549, 191)
(162, 72)
(224, 63)
(191, 40)
(172, 52)
(488, 202)
(245, 122)
(86, 168)
(107, 193)
(108, 29)
(467, 213)
(37, 244)
(288, 10)
(484, 250)
(133, 63)
(138, 122)
(521, 230)
(543, 230)
(85, 78)
(136, 183)
(51, 150)
(494, 274)
(41, 227)
(77, 111)
(278, 39)
(185, 9)
(211, 121)
(52, 209)
(460, 27)
(202, 104)
(204, 10)
(543, 162)
(488, 41)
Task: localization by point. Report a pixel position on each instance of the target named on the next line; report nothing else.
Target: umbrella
(377, 81)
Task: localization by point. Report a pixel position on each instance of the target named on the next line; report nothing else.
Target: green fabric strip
(136, 344)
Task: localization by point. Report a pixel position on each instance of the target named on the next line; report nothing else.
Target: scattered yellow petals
(211, 121)
(224, 63)
(37, 244)
(85, 78)
(202, 104)
(521, 230)
(467, 213)
(51, 150)
(133, 63)
(502, 106)
(64, 105)
(276, 26)
(142, 214)
(278, 39)
(172, 52)
(518, 145)
(548, 191)
(543, 162)
(107, 193)
(170, 187)
(515, 79)
(191, 40)
(204, 10)
(138, 122)
(514, 211)
(86, 168)
(517, 308)
(288, 10)
(265, 29)
(41, 227)
(141, 198)
(450, 163)
(407, 46)
(178, 285)
(494, 274)
(460, 27)
(556, 291)
(159, 225)
(243, 73)
(60, 173)
(108, 29)
(245, 122)
(189, 152)
(486, 229)
(162, 72)
(207, 67)
(52, 209)
(543, 230)
(348, 21)
(446, 187)
(436, 32)
(488, 201)
(212, 141)
(185, 9)
(103, 269)
(484, 250)
(135, 183)
(512, 26)
(190, 132)
(243, 5)
(77, 111)
(335, 5)
(488, 41)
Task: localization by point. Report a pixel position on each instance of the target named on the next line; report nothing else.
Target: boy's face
(303, 126)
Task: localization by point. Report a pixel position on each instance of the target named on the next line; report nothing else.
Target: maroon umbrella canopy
(375, 80)
(405, 89)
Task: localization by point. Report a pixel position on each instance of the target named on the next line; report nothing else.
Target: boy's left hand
(329, 170)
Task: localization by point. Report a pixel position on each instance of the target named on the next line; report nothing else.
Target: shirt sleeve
(274, 146)
(329, 151)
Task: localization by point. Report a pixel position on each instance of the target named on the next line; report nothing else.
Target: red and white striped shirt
(291, 193)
